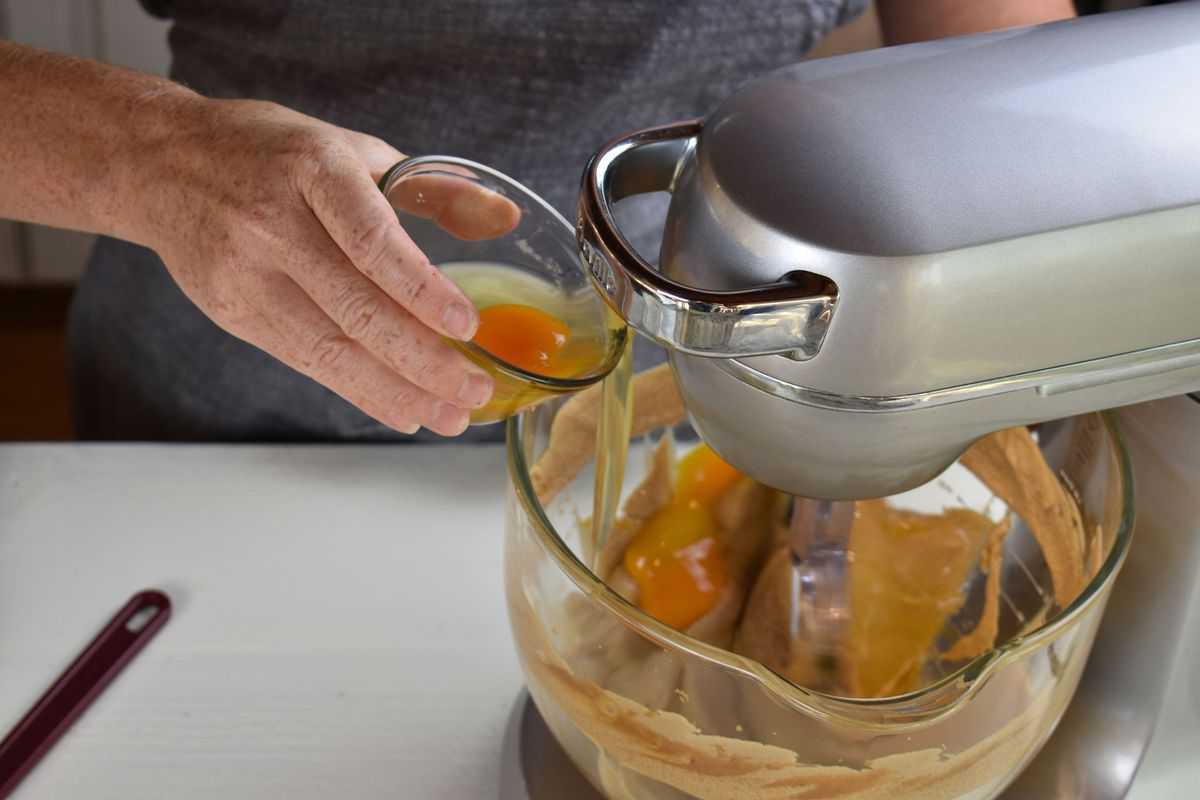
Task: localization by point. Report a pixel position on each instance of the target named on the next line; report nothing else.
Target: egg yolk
(676, 558)
(703, 476)
(523, 336)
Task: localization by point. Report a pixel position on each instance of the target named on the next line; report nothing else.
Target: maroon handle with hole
(81, 683)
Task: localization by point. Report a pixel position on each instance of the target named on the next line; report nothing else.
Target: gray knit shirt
(530, 87)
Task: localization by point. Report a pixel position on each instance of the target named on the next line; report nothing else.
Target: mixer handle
(788, 317)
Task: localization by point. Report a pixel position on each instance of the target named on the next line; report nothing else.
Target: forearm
(904, 21)
(75, 135)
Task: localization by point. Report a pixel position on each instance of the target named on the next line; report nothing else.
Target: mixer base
(534, 766)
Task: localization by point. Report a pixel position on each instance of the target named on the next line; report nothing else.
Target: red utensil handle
(69, 696)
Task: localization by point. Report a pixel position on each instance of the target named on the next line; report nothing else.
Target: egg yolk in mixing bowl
(676, 559)
(702, 476)
(523, 336)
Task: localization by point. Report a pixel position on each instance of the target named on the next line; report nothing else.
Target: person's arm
(904, 21)
(269, 220)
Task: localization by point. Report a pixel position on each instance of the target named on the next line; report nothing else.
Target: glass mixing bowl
(645, 711)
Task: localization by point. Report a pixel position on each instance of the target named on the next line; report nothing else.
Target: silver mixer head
(872, 260)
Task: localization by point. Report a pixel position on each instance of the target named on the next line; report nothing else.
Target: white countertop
(339, 627)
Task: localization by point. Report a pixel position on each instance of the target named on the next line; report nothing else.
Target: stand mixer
(891, 254)
(870, 261)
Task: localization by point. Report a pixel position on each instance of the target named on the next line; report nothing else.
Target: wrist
(163, 123)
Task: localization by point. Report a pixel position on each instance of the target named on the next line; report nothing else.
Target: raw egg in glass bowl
(543, 328)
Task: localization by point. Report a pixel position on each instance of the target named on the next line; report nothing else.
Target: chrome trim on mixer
(1141, 364)
(788, 317)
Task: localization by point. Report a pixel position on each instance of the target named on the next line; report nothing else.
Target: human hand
(272, 224)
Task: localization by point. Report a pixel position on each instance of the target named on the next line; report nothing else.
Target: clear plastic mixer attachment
(819, 538)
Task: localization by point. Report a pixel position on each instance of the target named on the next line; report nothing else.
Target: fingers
(364, 226)
(365, 314)
(305, 338)
(459, 206)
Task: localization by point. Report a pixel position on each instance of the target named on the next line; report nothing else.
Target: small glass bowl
(501, 243)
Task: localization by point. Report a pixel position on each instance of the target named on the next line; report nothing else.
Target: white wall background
(115, 31)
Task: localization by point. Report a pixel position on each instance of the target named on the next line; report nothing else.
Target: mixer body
(871, 261)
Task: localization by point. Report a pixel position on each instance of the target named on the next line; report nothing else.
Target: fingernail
(450, 420)
(409, 429)
(458, 321)
(476, 389)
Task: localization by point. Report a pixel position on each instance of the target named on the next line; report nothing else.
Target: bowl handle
(787, 317)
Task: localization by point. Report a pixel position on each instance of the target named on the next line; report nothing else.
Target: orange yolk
(522, 336)
(676, 559)
(703, 476)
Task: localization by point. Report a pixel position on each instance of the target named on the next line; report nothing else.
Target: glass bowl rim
(920, 706)
(616, 340)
